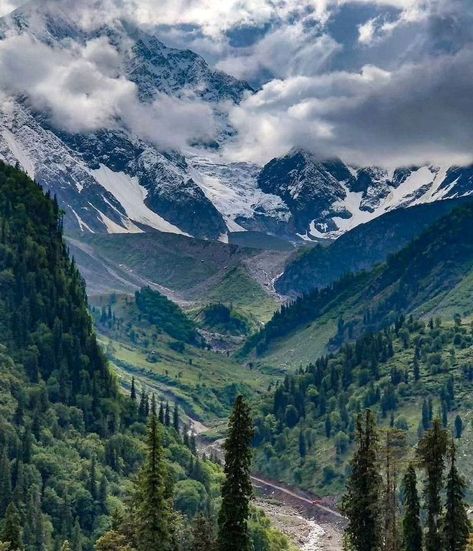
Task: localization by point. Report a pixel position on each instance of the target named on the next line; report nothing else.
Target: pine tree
(5, 482)
(153, 511)
(411, 526)
(302, 445)
(236, 490)
(431, 452)
(203, 534)
(133, 390)
(458, 427)
(416, 369)
(175, 418)
(167, 415)
(92, 482)
(76, 543)
(12, 529)
(361, 503)
(456, 525)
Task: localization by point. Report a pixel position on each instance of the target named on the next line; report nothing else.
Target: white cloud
(286, 51)
(7, 6)
(81, 90)
(417, 114)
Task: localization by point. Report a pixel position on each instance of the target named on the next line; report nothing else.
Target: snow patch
(19, 153)
(131, 195)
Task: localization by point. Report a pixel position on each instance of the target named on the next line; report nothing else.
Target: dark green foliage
(68, 439)
(411, 525)
(237, 489)
(223, 319)
(362, 498)
(152, 507)
(44, 319)
(431, 452)
(166, 315)
(203, 534)
(11, 533)
(458, 427)
(423, 272)
(323, 400)
(456, 525)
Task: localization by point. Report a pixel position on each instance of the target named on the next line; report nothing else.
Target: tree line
(382, 518)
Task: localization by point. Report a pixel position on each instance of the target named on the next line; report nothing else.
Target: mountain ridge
(110, 179)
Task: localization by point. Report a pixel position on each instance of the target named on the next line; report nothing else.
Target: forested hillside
(408, 374)
(361, 248)
(431, 276)
(74, 458)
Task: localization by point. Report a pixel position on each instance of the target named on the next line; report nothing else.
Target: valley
(236, 275)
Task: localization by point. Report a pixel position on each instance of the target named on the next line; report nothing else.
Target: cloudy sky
(372, 81)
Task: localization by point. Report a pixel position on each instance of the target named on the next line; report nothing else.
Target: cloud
(289, 50)
(81, 90)
(402, 97)
(418, 114)
(6, 6)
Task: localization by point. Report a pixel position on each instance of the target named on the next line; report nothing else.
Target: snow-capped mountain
(126, 173)
(329, 198)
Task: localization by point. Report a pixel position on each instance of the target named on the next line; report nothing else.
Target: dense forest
(407, 374)
(76, 455)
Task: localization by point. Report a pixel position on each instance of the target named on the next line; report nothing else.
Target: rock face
(328, 198)
(112, 180)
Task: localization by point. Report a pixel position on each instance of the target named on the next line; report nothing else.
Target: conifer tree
(167, 415)
(5, 482)
(361, 503)
(236, 490)
(76, 543)
(431, 452)
(11, 533)
(175, 418)
(133, 390)
(153, 512)
(458, 427)
(411, 526)
(92, 482)
(456, 525)
(203, 534)
(302, 445)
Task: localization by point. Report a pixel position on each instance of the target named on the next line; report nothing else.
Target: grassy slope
(187, 270)
(432, 276)
(244, 293)
(205, 383)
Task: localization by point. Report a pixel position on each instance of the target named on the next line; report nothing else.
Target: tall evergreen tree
(203, 534)
(411, 526)
(236, 490)
(456, 525)
(431, 452)
(5, 482)
(175, 418)
(11, 533)
(76, 543)
(361, 503)
(153, 511)
(133, 390)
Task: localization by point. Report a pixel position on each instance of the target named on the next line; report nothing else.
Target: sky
(387, 82)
